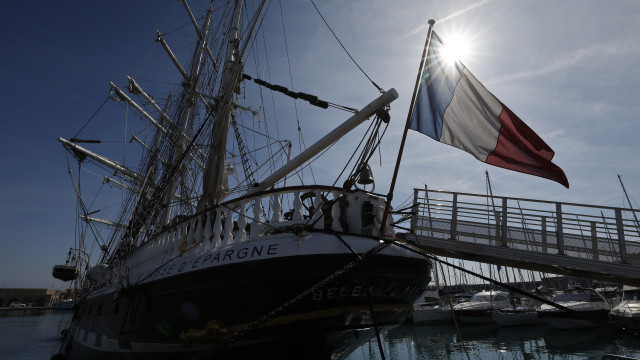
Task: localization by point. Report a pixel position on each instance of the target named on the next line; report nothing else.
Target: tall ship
(204, 238)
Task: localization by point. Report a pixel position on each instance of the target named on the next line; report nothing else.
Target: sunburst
(456, 48)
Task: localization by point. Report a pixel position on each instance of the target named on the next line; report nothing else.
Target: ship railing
(586, 231)
(290, 209)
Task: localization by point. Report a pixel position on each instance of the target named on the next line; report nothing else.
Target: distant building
(35, 297)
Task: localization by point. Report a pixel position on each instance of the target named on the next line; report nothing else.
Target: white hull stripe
(277, 246)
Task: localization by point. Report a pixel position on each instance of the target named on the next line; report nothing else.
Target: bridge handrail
(526, 199)
(561, 222)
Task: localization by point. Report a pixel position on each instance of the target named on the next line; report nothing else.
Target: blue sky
(569, 69)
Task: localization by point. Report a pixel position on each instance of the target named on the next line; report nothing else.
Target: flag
(453, 107)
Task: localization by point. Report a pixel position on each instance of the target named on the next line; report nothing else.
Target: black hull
(629, 322)
(576, 319)
(193, 315)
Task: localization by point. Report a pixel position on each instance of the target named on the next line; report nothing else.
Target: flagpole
(387, 207)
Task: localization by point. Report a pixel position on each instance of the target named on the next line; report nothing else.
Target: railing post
(544, 234)
(559, 232)
(414, 211)
(276, 208)
(217, 229)
(426, 198)
(207, 232)
(621, 241)
(594, 241)
(335, 213)
(498, 216)
(505, 221)
(227, 237)
(191, 233)
(454, 217)
(297, 207)
(318, 215)
(257, 218)
(241, 235)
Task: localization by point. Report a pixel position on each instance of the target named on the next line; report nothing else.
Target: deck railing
(247, 219)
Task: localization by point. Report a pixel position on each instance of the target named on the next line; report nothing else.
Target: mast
(167, 193)
(629, 201)
(214, 178)
(186, 117)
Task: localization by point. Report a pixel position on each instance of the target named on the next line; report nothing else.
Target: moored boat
(518, 316)
(478, 309)
(628, 310)
(201, 263)
(587, 309)
(429, 309)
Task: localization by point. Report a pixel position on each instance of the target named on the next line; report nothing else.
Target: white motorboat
(478, 309)
(518, 316)
(589, 309)
(628, 310)
(430, 309)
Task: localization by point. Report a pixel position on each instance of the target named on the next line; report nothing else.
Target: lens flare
(456, 48)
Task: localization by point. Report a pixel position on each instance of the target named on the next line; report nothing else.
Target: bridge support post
(454, 217)
(503, 235)
(594, 241)
(559, 232)
(414, 211)
(621, 241)
(498, 227)
(544, 234)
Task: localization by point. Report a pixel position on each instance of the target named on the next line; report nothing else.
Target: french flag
(453, 107)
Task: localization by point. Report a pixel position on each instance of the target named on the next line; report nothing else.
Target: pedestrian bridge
(595, 242)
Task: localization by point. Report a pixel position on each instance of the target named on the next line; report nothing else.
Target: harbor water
(35, 335)
(31, 334)
(412, 342)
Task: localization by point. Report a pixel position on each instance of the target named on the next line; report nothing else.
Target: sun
(456, 48)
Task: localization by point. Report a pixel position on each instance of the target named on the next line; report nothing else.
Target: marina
(333, 267)
(208, 225)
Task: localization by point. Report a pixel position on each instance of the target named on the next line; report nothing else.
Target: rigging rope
(263, 107)
(300, 137)
(451, 307)
(345, 49)
(83, 207)
(92, 116)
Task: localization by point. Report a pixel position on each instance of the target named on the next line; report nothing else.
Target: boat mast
(214, 179)
(629, 201)
(186, 118)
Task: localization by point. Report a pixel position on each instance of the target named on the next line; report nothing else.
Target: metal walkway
(595, 242)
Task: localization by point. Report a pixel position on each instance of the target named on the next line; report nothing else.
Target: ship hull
(268, 306)
(574, 320)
